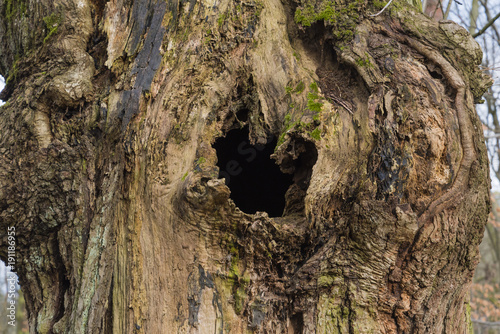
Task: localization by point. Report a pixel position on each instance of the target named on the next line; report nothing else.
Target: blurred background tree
(21, 322)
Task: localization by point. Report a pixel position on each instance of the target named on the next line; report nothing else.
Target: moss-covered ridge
(341, 18)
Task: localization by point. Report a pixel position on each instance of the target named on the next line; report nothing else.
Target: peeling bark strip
(120, 124)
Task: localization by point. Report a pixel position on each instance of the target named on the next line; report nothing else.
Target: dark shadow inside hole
(242, 115)
(255, 181)
(69, 113)
(436, 75)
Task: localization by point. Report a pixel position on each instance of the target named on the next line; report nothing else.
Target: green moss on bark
(314, 103)
(52, 23)
(14, 8)
(341, 18)
(13, 71)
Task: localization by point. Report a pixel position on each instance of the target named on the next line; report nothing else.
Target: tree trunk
(122, 117)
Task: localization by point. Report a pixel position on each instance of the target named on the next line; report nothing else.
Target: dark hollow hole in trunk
(255, 181)
(297, 322)
(242, 115)
(69, 113)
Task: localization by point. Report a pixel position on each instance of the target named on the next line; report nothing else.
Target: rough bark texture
(108, 173)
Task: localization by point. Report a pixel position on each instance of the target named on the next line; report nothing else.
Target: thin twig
(486, 323)
(447, 12)
(488, 17)
(340, 102)
(439, 5)
(373, 15)
(480, 32)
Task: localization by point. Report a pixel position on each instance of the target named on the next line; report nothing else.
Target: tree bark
(109, 174)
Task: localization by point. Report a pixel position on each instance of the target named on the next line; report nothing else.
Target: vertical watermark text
(11, 276)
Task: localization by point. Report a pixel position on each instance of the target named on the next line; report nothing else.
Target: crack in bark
(60, 308)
